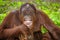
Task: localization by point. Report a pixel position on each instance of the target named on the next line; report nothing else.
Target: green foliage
(43, 30)
(6, 6)
(2, 17)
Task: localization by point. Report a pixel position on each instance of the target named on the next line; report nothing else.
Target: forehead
(27, 8)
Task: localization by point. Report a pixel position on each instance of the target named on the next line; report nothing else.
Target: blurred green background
(50, 7)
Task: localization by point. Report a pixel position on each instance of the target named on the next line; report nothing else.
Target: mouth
(28, 23)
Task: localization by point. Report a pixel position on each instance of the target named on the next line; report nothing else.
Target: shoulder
(14, 11)
(40, 12)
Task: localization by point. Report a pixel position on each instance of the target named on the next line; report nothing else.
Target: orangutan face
(28, 15)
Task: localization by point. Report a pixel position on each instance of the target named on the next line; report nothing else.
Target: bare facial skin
(27, 21)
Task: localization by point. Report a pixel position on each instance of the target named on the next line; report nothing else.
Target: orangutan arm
(10, 32)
